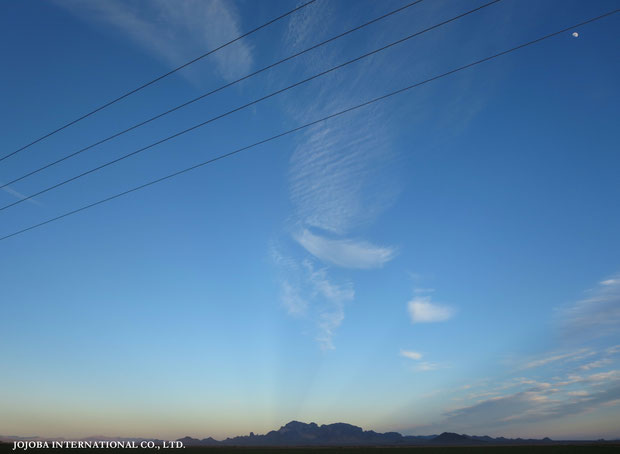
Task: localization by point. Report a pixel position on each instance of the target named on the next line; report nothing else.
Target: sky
(447, 259)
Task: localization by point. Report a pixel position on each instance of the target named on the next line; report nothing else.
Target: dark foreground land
(553, 449)
(582, 448)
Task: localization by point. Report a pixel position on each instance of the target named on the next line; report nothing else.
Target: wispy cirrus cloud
(523, 400)
(559, 357)
(551, 385)
(613, 350)
(535, 404)
(337, 173)
(421, 310)
(175, 31)
(341, 172)
(325, 288)
(595, 364)
(344, 252)
(308, 293)
(611, 282)
(291, 298)
(426, 366)
(334, 297)
(561, 369)
(596, 315)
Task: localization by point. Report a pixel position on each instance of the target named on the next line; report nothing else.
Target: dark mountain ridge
(297, 433)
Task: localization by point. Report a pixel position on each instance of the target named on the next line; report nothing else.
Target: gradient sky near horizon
(445, 260)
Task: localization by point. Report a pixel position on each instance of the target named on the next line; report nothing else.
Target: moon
(575, 34)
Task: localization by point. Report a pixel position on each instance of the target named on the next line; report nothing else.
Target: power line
(256, 101)
(157, 79)
(138, 125)
(290, 131)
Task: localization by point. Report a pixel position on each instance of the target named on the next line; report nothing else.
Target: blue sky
(445, 260)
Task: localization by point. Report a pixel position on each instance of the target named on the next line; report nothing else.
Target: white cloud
(595, 364)
(602, 377)
(422, 310)
(175, 31)
(613, 350)
(411, 354)
(577, 393)
(345, 253)
(610, 282)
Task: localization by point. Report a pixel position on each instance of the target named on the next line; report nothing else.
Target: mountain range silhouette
(297, 433)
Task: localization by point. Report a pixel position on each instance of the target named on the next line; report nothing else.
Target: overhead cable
(244, 106)
(157, 79)
(191, 101)
(299, 128)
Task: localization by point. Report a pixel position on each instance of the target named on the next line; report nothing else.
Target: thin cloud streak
(595, 316)
(562, 357)
(345, 253)
(411, 355)
(427, 366)
(19, 195)
(610, 282)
